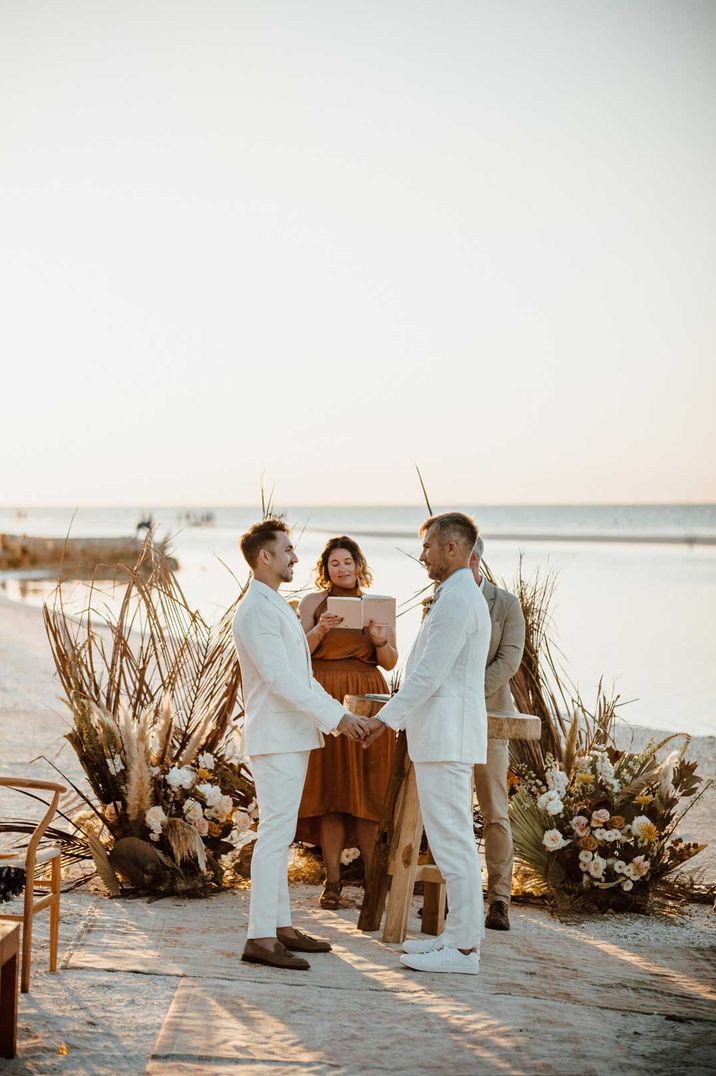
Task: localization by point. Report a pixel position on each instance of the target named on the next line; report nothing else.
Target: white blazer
(441, 704)
(285, 708)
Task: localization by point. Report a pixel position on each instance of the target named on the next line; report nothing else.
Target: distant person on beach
(286, 714)
(507, 644)
(441, 706)
(345, 787)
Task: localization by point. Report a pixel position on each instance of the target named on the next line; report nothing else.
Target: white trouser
(279, 781)
(445, 793)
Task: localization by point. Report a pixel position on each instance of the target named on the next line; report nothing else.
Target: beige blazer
(507, 643)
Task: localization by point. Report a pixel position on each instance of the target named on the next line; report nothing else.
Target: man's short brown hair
(258, 536)
(453, 527)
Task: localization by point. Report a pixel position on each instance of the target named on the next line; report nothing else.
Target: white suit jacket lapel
(275, 598)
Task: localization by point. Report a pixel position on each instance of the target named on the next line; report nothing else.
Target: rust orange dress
(342, 777)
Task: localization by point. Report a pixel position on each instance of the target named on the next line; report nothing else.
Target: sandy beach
(167, 972)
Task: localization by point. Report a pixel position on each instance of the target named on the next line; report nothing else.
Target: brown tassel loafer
(278, 957)
(304, 943)
(497, 916)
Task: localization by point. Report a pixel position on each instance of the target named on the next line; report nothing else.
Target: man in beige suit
(507, 642)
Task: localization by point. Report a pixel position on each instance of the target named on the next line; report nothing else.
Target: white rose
(242, 822)
(180, 777)
(201, 826)
(211, 793)
(580, 825)
(596, 867)
(206, 761)
(553, 840)
(599, 817)
(155, 818)
(193, 810)
(627, 885)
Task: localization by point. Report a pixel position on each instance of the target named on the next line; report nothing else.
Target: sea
(634, 605)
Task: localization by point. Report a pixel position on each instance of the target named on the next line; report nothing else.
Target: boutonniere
(294, 603)
(427, 604)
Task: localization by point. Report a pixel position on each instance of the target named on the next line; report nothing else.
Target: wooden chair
(34, 860)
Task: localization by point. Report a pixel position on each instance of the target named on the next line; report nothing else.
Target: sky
(321, 242)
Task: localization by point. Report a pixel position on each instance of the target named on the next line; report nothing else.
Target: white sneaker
(443, 960)
(424, 945)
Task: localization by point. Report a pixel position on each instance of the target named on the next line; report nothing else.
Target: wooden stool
(400, 832)
(9, 966)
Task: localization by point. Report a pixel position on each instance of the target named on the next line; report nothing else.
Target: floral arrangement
(153, 695)
(196, 808)
(598, 832)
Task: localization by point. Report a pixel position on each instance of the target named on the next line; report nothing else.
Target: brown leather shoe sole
(304, 943)
(279, 957)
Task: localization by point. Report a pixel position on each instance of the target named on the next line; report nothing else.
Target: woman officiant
(345, 785)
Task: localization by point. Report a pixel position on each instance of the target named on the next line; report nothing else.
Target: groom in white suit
(441, 706)
(286, 714)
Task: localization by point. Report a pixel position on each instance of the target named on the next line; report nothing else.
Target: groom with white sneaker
(441, 706)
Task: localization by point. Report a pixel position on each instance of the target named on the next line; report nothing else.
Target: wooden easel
(396, 865)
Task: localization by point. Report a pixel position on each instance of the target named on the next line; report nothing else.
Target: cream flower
(193, 810)
(596, 867)
(180, 777)
(580, 825)
(644, 829)
(585, 856)
(211, 793)
(619, 866)
(641, 865)
(600, 817)
(627, 885)
(550, 802)
(206, 761)
(155, 818)
(348, 855)
(557, 781)
(553, 840)
(201, 826)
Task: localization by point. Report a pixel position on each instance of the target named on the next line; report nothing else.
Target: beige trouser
(491, 788)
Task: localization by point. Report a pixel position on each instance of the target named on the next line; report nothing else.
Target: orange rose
(589, 843)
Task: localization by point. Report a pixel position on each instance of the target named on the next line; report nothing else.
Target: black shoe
(497, 916)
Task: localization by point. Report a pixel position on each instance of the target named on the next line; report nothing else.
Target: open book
(357, 612)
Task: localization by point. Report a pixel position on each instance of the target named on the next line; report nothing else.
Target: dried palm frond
(185, 842)
(155, 647)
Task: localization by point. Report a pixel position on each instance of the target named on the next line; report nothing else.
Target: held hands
(377, 728)
(355, 728)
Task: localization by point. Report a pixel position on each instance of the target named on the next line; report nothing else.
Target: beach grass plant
(152, 691)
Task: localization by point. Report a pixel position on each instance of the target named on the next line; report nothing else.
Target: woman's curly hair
(363, 572)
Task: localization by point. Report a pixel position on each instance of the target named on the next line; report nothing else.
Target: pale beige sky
(325, 240)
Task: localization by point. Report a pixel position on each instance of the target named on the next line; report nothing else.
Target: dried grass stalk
(185, 842)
